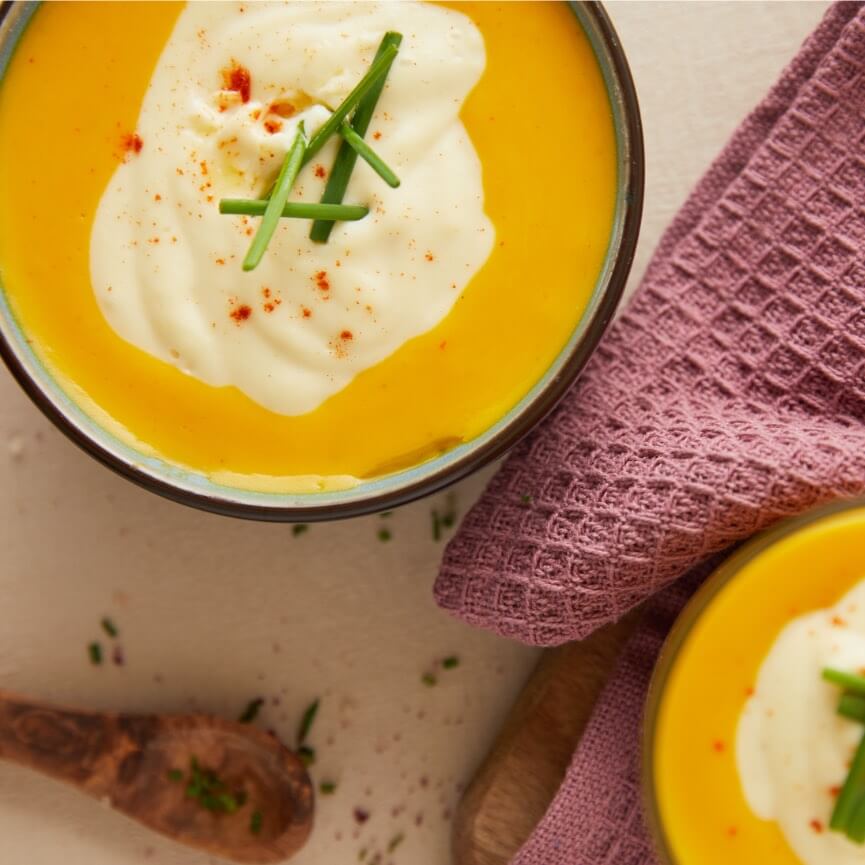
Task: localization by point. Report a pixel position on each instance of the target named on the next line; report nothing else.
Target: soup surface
(540, 122)
(732, 659)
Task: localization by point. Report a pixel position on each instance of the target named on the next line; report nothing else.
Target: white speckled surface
(213, 612)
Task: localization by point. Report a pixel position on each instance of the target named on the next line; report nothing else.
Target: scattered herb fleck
(175, 775)
(306, 721)
(429, 679)
(451, 662)
(210, 791)
(95, 652)
(327, 788)
(361, 855)
(306, 754)
(384, 535)
(385, 514)
(109, 627)
(250, 713)
(525, 499)
(436, 525)
(299, 529)
(395, 842)
(255, 823)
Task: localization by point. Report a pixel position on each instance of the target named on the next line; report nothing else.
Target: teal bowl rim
(685, 622)
(192, 488)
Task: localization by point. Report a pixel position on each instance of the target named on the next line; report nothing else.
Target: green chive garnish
(299, 529)
(276, 203)
(250, 713)
(294, 209)
(327, 788)
(429, 679)
(95, 652)
(848, 681)
(395, 842)
(109, 627)
(306, 754)
(376, 72)
(306, 721)
(368, 155)
(346, 157)
(852, 793)
(384, 535)
(852, 706)
(525, 499)
(436, 525)
(451, 662)
(175, 775)
(255, 822)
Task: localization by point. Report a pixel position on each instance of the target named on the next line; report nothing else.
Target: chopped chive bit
(94, 650)
(852, 706)
(395, 842)
(307, 720)
(451, 662)
(525, 499)
(368, 155)
(299, 529)
(109, 627)
(429, 679)
(255, 822)
(384, 535)
(211, 792)
(327, 788)
(293, 209)
(306, 754)
(175, 775)
(250, 713)
(385, 514)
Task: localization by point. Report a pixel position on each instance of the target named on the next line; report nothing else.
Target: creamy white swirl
(165, 264)
(792, 748)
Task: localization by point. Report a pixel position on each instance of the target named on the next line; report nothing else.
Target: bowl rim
(608, 291)
(742, 555)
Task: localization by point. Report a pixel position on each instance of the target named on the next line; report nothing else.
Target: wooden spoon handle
(519, 777)
(66, 744)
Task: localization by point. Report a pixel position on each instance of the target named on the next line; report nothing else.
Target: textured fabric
(729, 393)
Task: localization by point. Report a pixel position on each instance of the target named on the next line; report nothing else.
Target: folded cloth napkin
(729, 393)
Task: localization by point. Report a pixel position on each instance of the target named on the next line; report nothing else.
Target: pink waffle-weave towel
(730, 393)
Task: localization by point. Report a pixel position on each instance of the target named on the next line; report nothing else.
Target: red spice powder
(268, 307)
(240, 313)
(838, 622)
(282, 108)
(320, 171)
(238, 79)
(346, 335)
(130, 142)
(157, 197)
(834, 791)
(376, 135)
(718, 746)
(307, 312)
(265, 291)
(321, 280)
(429, 257)
(816, 825)
(749, 691)
(220, 261)
(732, 831)
(273, 126)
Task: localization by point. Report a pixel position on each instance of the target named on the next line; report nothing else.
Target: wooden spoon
(141, 766)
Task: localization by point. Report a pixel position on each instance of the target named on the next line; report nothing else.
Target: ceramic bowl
(197, 490)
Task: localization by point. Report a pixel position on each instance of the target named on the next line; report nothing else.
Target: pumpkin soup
(465, 246)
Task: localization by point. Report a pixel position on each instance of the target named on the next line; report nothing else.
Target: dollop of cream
(220, 112)
(792, 748)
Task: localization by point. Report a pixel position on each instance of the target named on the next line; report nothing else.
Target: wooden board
(519, 777)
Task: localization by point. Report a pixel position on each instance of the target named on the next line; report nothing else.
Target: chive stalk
(852, 793)
(376, 72)
(368, 155)
(273, 210)
(294, 209)
(848, 681)
(346, 157)
(852, 706)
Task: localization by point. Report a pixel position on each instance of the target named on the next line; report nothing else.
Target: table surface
(214, 612)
